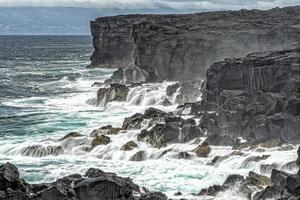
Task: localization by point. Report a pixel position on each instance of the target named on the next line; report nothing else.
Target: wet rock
(212, 190)
(116, 92)
(42, 151)
(93, 173)
(249, 106)
(165, 152)
(289, 166)
(233, 179)
(172, 130)
(153, 113)
(10, 183)
(267, 168)
(139, 156)
(106, 130)
(97, 84)
(105, 187)
(153, 196)
(142, 135)
(250, 159)
(276, 142)
(218, 159)
(178, 194)
(279, 178)
(129, 146)
(183, 155)
(269, 192)
(133, 122)
(100, 140)
(58, 193)
(71, 135)
(257, 180)
(9, 173)
(184, 92)
(203, 150)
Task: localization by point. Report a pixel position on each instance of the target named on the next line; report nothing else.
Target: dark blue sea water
(35, 70)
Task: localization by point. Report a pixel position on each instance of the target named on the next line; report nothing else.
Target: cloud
(152, 4)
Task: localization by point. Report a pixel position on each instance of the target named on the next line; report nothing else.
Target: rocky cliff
(256, 97)
(182, 47)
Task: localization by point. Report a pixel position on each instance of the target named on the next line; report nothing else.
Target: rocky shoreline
(250, 103)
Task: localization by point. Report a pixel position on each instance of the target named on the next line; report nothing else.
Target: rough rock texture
(116, 92)
(256, 97)
(284, 185)
(94, 185)
(182, 47)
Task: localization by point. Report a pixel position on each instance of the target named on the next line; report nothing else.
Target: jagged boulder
(106, 130)
(139, 156)
(11, 186)
(184, 92)
(203, 150)
(100, 140)
(116, 92)
(129, 146)
(133, 122)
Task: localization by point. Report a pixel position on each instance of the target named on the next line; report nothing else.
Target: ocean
(46, 93)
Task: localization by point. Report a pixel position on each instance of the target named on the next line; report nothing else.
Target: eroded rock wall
(182, 47)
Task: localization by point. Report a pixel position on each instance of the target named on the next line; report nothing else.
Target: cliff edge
(182, 47)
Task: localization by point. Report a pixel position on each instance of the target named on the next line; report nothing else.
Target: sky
(153, 4)
(69, 17)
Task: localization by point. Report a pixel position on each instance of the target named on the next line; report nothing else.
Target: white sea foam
(164, 173)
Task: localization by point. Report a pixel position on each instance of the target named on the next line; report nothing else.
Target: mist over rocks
(182, 47)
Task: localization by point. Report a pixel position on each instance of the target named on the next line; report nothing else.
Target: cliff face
(256, 97)
(182, 47)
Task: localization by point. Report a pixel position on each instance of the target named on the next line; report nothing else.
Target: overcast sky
(152, 4)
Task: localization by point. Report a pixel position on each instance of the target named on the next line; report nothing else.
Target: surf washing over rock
(176, 117)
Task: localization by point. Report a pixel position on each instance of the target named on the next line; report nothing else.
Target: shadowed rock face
(258, 97)
(182, 47)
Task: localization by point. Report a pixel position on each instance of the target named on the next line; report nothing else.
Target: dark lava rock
(171, 130)
(129, 146)
(233, 179)
(58, 193)
(203, 150)
(100, 140)
(252, 94)
(139, 156)
(106, 130)
(133, 122)
(257, 180)
(184, 92)
(269, 192)
(116, 92)
(153, 196)
(212, 190)
(182, 47)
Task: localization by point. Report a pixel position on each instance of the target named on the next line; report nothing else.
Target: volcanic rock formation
(182, 47)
